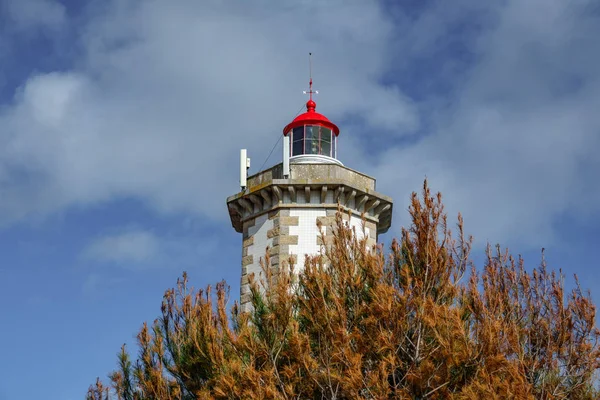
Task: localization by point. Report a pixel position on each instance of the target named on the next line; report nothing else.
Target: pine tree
(421, 323)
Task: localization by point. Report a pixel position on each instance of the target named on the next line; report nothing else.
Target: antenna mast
(310, 89)
(310, 73)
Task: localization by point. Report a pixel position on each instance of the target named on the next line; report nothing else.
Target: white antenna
(244, 166)
(286, 156)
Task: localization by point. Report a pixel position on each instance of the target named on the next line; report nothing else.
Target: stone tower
(280, 207)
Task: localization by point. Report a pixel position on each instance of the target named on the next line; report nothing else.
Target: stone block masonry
(267, 232)
(285, 216)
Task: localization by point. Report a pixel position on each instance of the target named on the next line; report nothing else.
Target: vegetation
(419, 323)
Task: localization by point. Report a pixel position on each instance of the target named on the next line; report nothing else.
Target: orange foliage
(353, 324)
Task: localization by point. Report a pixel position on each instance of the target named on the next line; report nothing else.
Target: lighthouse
(282, 207)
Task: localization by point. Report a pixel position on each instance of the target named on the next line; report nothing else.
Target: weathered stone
(245, 298)
(372, 227)
(244, 289)
(291, 259)
(271, 233)
(324, 178)
(274, 250)
(333, 213)
(330, 184)
(247, 260)
(249, 223)
(289, 221)
(326, 221)
(327, 242)
(289, 239)
(248, 242)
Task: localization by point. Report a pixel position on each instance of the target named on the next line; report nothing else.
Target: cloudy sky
(121, 122)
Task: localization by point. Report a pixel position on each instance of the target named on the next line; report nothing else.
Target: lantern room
(311, 138)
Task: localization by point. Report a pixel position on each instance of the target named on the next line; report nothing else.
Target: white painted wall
(307, 232)
(356, 222)
(261, 226)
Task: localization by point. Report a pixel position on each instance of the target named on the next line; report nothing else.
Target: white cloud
(133, 247)
(160, 108)
(517, 147)
(167, 93)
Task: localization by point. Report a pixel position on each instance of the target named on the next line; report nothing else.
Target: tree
(421, 323)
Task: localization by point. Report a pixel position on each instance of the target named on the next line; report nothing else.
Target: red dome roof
(311, 117)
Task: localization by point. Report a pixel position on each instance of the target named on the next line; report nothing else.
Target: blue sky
(121, 122)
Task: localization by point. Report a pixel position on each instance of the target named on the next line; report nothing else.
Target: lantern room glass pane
(298, 141)
(313, 139)
(312, 132)
(325, 142)
(325, 148)
(311, 145)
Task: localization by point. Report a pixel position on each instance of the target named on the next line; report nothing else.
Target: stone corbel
(372, 204)
(236, 207)
(361, 201)
(267, 197)
(256, 200)
(349, 198)
(339, 193)
(381, 209)
(278, 195)
(323, 194)
(246, 205)
(292, 192)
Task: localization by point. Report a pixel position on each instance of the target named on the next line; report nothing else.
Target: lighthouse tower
(279, 208)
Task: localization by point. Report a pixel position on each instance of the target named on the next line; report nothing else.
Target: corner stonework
(281, 214)
(328, 225)
(268, 232)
